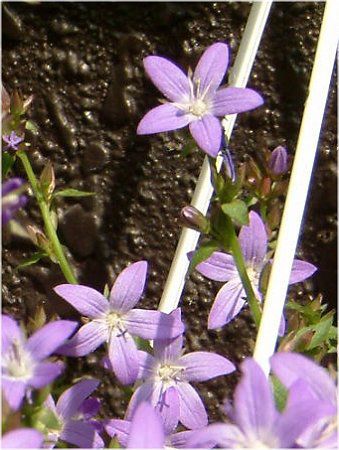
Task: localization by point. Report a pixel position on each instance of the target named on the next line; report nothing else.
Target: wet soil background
(83, 63)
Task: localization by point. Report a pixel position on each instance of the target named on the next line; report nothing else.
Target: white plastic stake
(299, 185)
(239, 75)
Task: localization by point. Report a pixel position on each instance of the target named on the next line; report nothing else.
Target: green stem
(240, 264)
(49, 228)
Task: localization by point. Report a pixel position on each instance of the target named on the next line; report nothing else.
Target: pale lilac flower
(166, 369)
(23, 365)
(12, 198)
(196, 100)
(122, 428)
(115, 321)
(292, 367)
(146, 429)
(221, 267)
(73, 425)
(257, 422)
(22, 438)
(278, 162)
(12, 140)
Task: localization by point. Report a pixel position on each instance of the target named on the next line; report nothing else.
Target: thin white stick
(298, 186)
(202, 196)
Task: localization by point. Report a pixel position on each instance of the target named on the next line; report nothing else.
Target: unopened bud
(193, 218)
(278, 161)
(17, 105)
(47, 181)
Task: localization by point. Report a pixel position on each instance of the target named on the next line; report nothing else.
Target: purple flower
(12, 140)
(115, 321)
(257, 423)
(22, 438)
(23, 366)
(278, 161)
(290, 368)
(122, 428)
(73, 425)
(12, 198)
(146, 429)
(196, 100)
(221, 267)
(166, 369)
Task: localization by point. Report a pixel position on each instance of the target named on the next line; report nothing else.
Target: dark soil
(83, 63)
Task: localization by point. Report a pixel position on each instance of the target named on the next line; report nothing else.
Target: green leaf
(7, 163)
(237, 211)
(31, 126)
(143, 344)
(322, 330)
(31, 260)
(203, 252)
(72, 193)
(280, 393)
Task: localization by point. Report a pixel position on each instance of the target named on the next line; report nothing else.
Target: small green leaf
(203, 252)
(31, 126)
(72, 193)
(7, 163)
(280, 393)
(31, 260)
(237, 211)
(322, 330)
(143, 344)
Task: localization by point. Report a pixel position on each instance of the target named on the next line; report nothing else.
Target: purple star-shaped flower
(257, 423)
(196, 100)
(290, 368)
(73, 413)
(115, 321)
(166, 369)
(22, 438)
(12, 198)
(221, 267)
(12, 140)
(122, 429)
(23, 366)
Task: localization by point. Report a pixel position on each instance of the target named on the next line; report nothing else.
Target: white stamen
(18, 363)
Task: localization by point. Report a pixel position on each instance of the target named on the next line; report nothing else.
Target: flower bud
(278, 161)
(193, 218)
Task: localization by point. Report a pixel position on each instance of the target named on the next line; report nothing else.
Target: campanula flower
(22, 438)
(72, 416)
(195, 100)
(12, 198)
(256, 421)
(23, 361)
(12, 140)
(168, 368)
(278, 161)
(221, 267)
(115, 321)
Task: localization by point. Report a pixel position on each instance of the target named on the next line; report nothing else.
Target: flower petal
(71, 400)
(120, 429)
(168, 78)
(207, 134)
(14, 392)
(223, 435)
(150, 391)
(168, 349)
(192, 410)
(202, 366)
(253, 239)
(227, 304)
(90, 407)
(146, 365)
(128, 287)
(22, 438)
(289, 367)
(169, 409)
(49, 338)
(87, 339)
(166, 117)
(153, 324)
(232, 100)
(81, 434)
(146, 429)
(300, 271)
(211, 67)
(45, 373)
(87, 301)
(123, 355)
(181, 439)
(10, 332)
(218, 267)
(254, 411)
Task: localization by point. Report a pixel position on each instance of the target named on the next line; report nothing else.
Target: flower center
(169, 373)
(198, 107)
(253, 275)
(115, 322)
(18, 362)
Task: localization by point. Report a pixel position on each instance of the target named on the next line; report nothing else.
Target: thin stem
(49, 228)
(240, 264)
